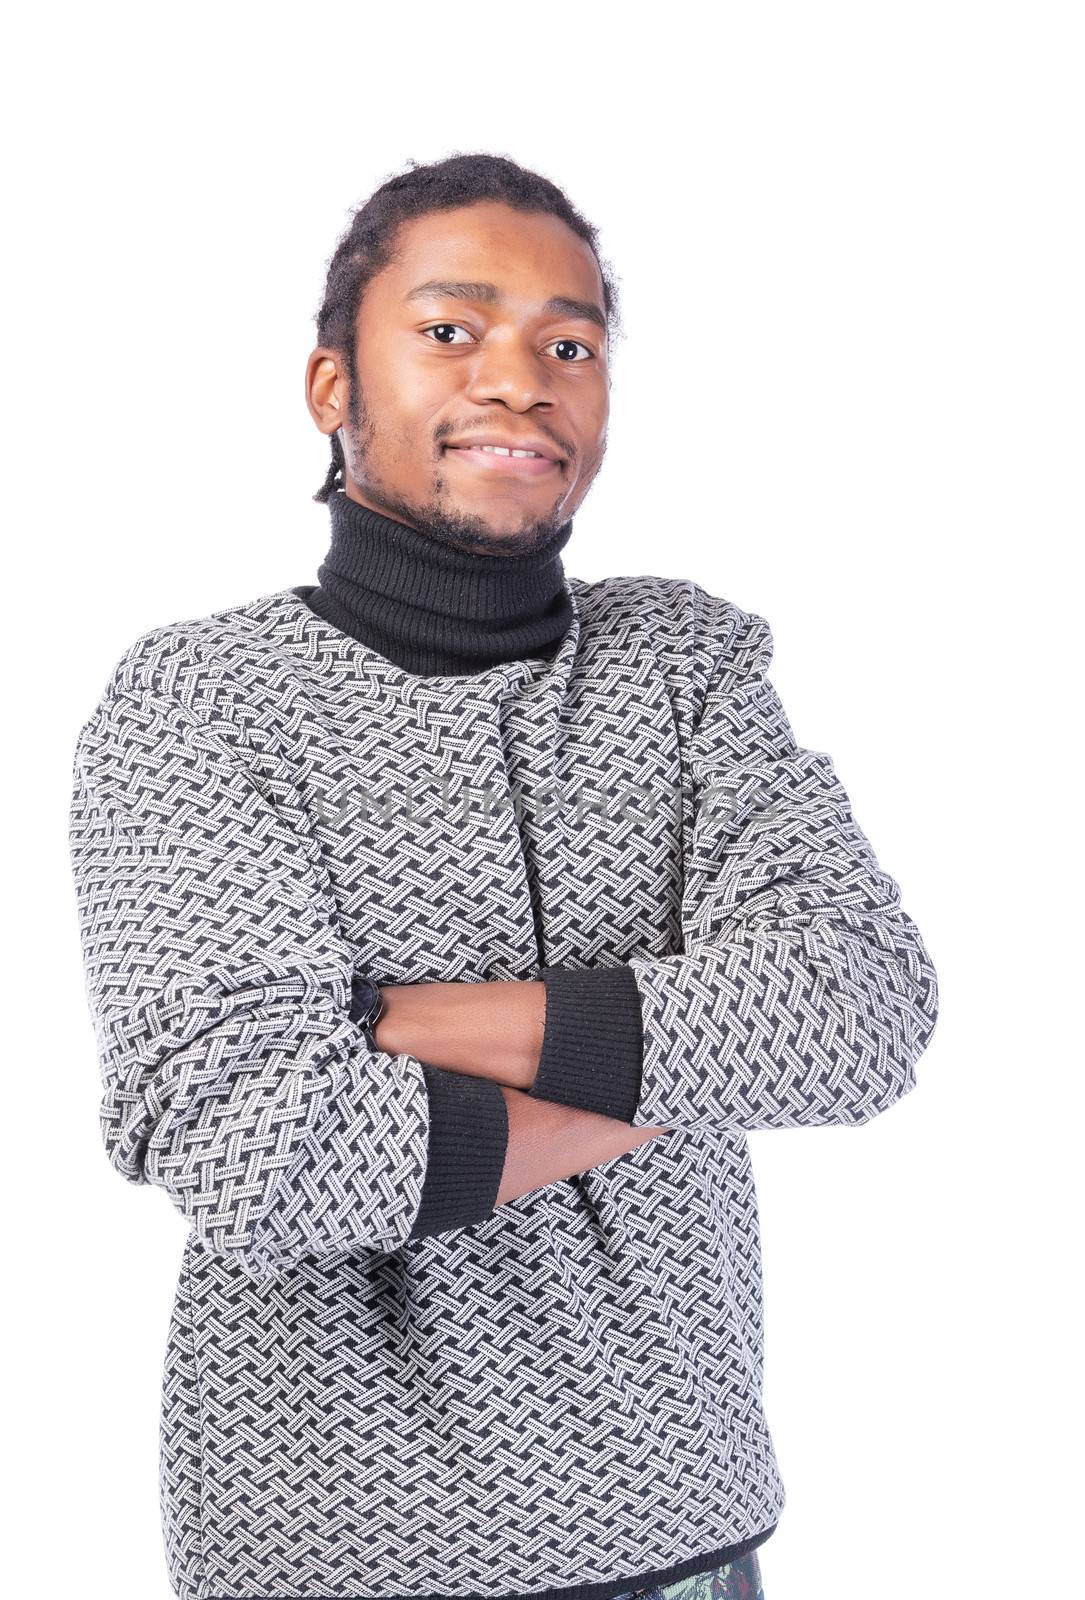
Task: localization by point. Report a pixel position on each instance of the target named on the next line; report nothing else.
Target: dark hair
(368, 245)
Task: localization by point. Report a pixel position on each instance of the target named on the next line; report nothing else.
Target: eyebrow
(559, 305)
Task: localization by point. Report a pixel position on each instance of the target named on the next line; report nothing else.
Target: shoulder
(189, 669)
(191, 656)
(695, 635)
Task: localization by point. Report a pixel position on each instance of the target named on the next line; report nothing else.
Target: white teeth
(500, 450)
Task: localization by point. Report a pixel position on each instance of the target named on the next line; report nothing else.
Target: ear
(327, 389)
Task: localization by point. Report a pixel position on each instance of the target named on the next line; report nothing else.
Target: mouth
(505, 462)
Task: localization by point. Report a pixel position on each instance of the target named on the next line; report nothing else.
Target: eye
(446, 327)
(573, 344)
(443, 328)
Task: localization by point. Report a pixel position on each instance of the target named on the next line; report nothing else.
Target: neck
(432, 609)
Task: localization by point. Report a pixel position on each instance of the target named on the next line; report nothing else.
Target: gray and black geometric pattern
(570, 1392)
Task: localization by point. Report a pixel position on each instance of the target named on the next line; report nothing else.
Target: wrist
(491, 1030)
(366, 1006)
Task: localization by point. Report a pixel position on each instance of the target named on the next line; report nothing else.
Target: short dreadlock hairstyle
(368, 245)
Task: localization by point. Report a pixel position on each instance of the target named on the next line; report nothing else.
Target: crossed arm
(487, 1030)
(495, 1031)
(219, 982)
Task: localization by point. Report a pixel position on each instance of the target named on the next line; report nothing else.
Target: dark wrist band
(366, 1005)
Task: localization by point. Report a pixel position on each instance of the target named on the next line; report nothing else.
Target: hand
(549, 1141)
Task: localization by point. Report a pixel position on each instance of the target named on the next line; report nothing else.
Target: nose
(509, 371)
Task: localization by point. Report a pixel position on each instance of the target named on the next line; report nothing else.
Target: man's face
(458, 343)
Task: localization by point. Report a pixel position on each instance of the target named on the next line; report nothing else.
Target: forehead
(529, 256)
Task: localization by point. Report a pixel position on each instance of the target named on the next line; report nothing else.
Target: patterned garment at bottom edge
(738, 1580)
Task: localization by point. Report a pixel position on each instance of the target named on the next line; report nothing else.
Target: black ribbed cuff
(593, 1040)
(468, 1138)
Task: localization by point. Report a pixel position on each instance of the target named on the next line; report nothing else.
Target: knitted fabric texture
(433, 609)
(559, 1397)
(429, 608)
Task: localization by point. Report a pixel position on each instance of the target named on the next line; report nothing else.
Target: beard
(454, 528)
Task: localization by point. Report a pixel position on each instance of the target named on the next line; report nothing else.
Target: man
(447, 924)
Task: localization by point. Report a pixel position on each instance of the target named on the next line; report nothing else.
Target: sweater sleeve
(803, 993)
(219, 986)
(592, 1040)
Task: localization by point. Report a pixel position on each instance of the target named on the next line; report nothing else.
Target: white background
(849, 396)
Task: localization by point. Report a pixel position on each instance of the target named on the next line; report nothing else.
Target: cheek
(411, 416)
(417, 381)
(398, 436)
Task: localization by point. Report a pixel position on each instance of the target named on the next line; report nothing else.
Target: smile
(495, 458)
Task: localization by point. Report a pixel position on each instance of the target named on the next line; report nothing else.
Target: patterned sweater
(559, 1397)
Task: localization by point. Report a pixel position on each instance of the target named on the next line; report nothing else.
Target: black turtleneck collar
(432, 609)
